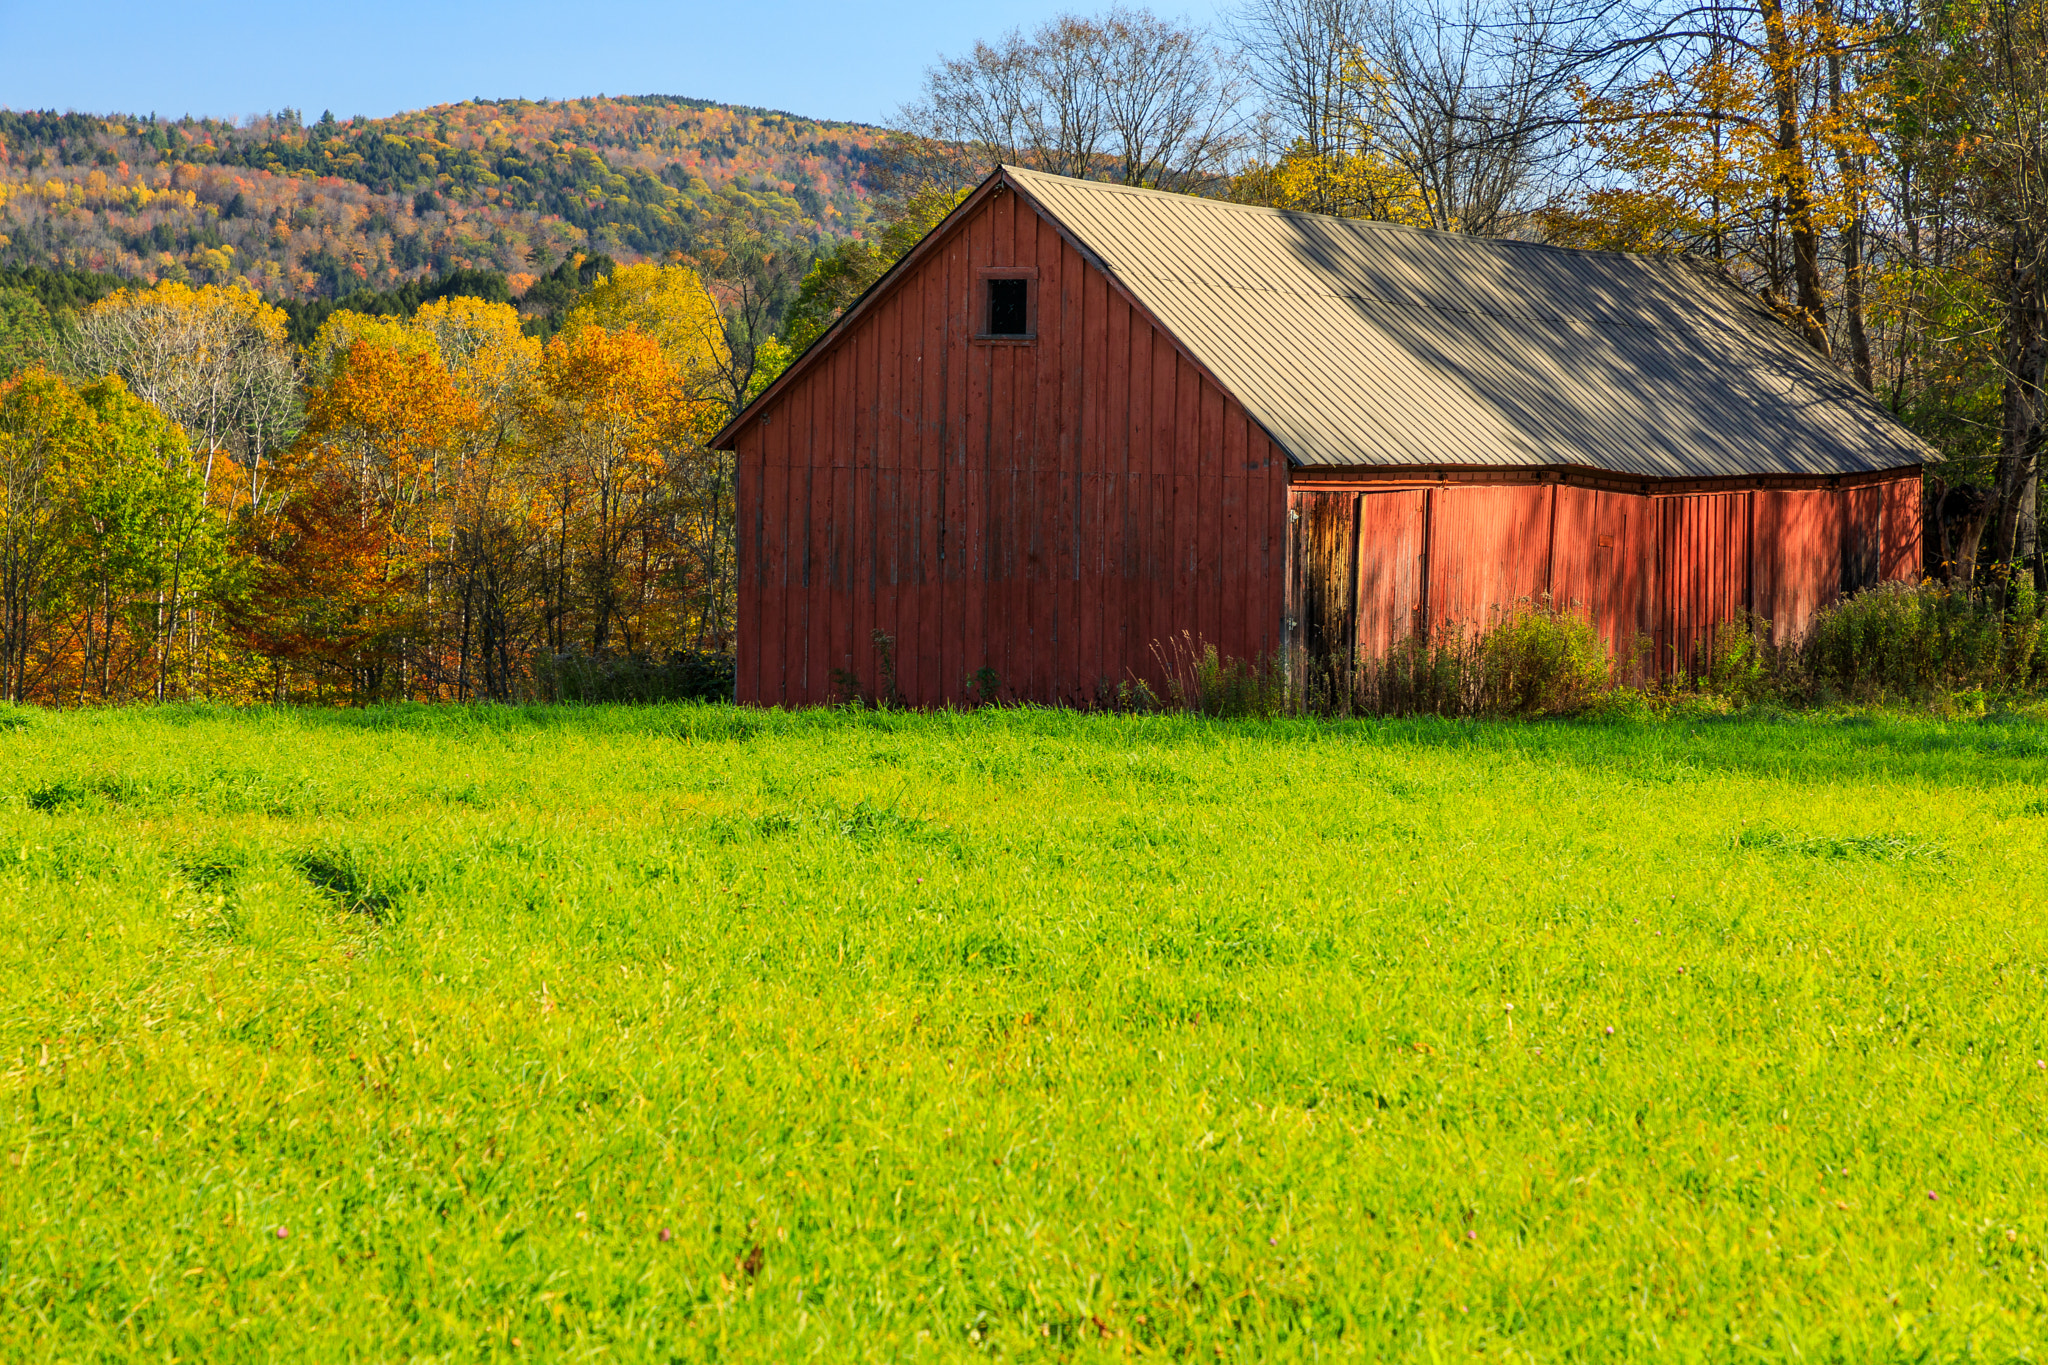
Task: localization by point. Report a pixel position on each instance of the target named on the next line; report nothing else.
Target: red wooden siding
(1655, 570)
(1703, 561)
(1391, 577)
(1489, 545)
(1044, 510)
(1800, 570)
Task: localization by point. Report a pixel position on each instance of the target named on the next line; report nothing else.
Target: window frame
(983, 305)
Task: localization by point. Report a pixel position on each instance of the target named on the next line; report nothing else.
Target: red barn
(1080, 418)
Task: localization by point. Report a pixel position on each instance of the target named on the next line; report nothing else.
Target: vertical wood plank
(768, 643)
(835, 416)
(959, 577)
(1232, 549)
(889, 584)
(858, 402)
(1092, 457)
(1900, 535)
(935, 364)
(1042, 468)
(1185, 445)
(1123, 414)
(746, 505)
(774, 555)
(1142, 554)
(974, 463)
(1066, 566)
(1164, 569)
(813, 514)
(1207, 559)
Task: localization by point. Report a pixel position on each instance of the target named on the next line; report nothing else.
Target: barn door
(1325, 583)
(1392, 569)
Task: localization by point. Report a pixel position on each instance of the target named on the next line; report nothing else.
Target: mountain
(308, 212)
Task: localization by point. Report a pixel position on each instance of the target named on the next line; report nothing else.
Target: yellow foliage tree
(666, 302)
(481, 345)
(611, 418)
(329, 350)
(1346, 184)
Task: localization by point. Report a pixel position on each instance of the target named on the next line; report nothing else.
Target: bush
(1540, 661)
(1738, 663)
(684, 675)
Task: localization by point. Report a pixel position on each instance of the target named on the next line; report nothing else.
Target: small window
(1009, 308)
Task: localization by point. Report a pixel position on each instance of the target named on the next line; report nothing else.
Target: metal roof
(1358, 343)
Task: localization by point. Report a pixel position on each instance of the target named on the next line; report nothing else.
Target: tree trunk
(1848, 167)
(1853, 301)
(2018, 485)
(1810, 306)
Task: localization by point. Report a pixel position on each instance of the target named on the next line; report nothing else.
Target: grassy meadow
(696, 1034)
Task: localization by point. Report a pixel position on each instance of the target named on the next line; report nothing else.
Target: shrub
(683, 675)
(1538, 660)
(1738, 662)
(1204, 682)
(1919, 641)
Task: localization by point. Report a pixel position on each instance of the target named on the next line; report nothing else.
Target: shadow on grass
(1990, 750)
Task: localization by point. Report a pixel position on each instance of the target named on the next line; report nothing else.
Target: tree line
(309, 210)
(430, 506)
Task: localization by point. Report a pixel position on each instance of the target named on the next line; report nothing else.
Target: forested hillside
(315, 211)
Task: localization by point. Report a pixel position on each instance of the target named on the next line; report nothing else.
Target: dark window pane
(1007, 316)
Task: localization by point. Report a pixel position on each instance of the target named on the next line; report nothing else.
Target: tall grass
(1896, 643)
(1203, 682)
(1535, 658)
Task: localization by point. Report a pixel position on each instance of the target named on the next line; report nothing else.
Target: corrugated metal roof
(1359, 343)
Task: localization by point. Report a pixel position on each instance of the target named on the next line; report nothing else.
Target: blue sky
(236, 57)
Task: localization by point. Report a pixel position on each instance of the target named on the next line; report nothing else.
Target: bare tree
(1469, 101)
(214, 361)
(1127, 97)
(753, 277)
(1302, 56)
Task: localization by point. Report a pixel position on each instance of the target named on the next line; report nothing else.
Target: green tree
(843, 272)
(137, 541)
(27, 335)
(103, 533)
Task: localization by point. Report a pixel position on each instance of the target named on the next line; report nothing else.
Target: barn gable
(932, 511)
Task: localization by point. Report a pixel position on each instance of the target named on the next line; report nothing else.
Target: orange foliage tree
(610, 421)
(345, 574)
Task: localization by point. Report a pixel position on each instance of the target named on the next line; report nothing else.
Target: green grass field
(697, 1034)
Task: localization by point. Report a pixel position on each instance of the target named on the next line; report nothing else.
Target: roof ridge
(1660, 259)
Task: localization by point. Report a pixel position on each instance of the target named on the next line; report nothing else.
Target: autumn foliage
(446, 510)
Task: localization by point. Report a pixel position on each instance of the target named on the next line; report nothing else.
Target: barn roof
(1371, 344)
(1357, 343)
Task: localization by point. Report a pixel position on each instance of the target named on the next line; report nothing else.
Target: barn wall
(1665, 570)
(1044, 511)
